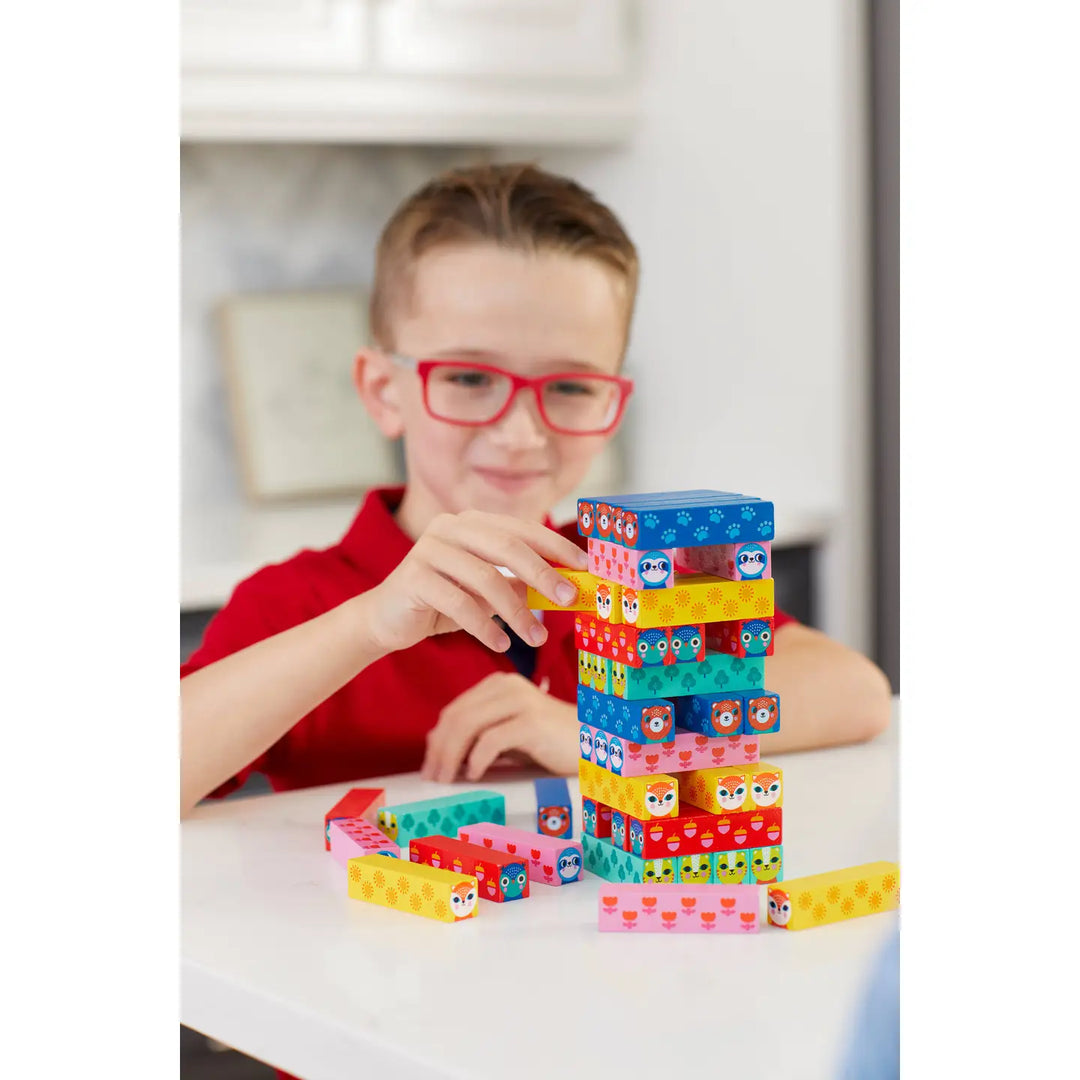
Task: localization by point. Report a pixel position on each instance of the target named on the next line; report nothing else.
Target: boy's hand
(499, 715)
(448, 581)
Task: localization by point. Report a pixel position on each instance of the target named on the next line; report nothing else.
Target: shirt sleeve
(258, 609)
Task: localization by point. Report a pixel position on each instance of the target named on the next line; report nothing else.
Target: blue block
(696, 518)
(553, 807)
(761, 712)
(646, 720)
(758, 713)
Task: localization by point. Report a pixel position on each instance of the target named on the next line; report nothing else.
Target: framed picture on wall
(300, 429)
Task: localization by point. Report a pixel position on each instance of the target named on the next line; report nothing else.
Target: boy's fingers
(481, 578)
(454, 734)
(495, 741)
(453, 602)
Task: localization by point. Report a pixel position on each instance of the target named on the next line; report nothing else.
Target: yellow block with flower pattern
(642, 797)
(799, 903)
(413, 887)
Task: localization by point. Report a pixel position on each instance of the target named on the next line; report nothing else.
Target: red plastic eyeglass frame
(424, 368)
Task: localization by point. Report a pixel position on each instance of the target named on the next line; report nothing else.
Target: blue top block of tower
(670, 519)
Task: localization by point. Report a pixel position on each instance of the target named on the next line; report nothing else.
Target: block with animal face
(802, 903)
(741, 637)
(547, 859)
(713, 674)
(710, 714)
(647, 720)
(434, 893)
(748, 561)
(554, 810)
(595, 819)
(621, 565)
(643, 797)
(730, 789)
(685, 750)
(657, 647)
(767, 864)
(500, 877)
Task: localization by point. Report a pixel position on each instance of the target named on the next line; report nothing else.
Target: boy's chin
(533, 500)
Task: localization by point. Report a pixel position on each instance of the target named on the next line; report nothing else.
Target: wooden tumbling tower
(674, 624)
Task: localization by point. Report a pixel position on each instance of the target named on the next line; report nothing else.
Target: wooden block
(687, 519)
(837, 895)
(699, 831)
(407, 886)
(644, 797)
(638, 569)
(741, 637)
(747, 561)
(352, 837)
(595, 819)
(712, 675)
(653, 649)
(500, 877)
(694, 869)
(747, 712)
(355, 803)
(698, 598)
(613, 864)
(586, 597)
(645, 720)
(679, 909)
(767, 865)
(730, 789)
(554, 812)
(685, 751)
(548, 860)
(443, 815)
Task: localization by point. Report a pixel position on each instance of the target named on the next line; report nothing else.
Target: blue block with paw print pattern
(646, 720)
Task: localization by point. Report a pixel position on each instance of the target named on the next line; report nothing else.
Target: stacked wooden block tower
(675, 622)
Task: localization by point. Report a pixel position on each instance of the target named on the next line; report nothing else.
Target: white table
(278, 962)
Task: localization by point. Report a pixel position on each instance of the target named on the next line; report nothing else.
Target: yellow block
(408, 886)
(734, 788)
(695, 598)
(642, 797)
(800, 903)
(586, 597)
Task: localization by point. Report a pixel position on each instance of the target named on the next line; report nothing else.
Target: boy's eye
(466, 378)
(573, 387)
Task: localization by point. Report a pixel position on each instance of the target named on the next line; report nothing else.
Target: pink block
(679, 909)
(352, 837)
(727, 560)
(686, 751)
(547, 859)
(613, 562)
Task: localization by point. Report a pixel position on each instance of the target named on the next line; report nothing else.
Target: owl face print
(686, 643)
(585, 518)
(463, 900)
(585, 743)
(603, 520)
(731, 791)
(652, 647)
(657, 722)
(660, 798)
(779, 907)
(630, 606)
(765, 788)
(761, 713)
(512, 881)
(618, 828)
(752, 561)
(588, 816)
(637, 836)
(726, 716)
(654, 569)
(569, 865)
(629, 527)
(756, 637)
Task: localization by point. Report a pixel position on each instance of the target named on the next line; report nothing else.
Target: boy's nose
(522, 427)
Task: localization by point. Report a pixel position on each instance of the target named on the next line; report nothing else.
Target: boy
(381, 654)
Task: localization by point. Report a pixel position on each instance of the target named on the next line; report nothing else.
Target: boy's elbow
(875, 714)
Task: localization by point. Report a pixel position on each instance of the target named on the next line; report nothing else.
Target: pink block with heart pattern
(679, 909)
(351, 838)
(548, 859)
(652, 569)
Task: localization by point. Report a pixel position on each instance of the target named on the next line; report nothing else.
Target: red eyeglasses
(472, 395)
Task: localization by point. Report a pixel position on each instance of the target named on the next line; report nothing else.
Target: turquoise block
(441, 816)
(717, 673)
(613, 864)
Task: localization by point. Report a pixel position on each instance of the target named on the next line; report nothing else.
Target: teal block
(696, 869)
(766, 865)
(441, 816)
(717, 673)
(613, 864)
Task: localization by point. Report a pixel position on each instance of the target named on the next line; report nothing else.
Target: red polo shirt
(376, 724)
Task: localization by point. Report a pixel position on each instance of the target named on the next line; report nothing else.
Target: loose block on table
(746, 561)
(500, 877)
(413, 887)
(650, 569)
(355, 803)
(644, 797)
(696, 830)
(443, 815)
(680, 909)
(649, 720)
(548, 860)
(686, 750)
(554, 812)
(728, 789)
(676, 518)
(352, 837)
(584, 601)
(654, 649)
(741, 637)
(831, 897)
(713, 675)
(613, 864)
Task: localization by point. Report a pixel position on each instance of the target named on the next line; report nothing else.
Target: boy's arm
(829, 694)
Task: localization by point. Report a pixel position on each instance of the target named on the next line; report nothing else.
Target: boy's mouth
(510, 480)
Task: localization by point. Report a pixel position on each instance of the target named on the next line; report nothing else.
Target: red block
(500, 876)
(619, 641)
(697, 832)
(357, 802)
(741, 637)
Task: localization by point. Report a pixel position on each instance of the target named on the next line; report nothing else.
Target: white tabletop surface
(278, 962)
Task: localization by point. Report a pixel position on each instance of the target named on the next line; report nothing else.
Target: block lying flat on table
(686, 750)
(837, 895)
(500, 877)
(355, 803)
(715, 674)
(647, 720)
(696, 830)
(352, 837)
(649, 569)
(548, 860)
(443, 815)
(644, 797)
(554, 811)
(728, 789)
(746, 561)
(663, 519)
(680, 909)
(414, 888)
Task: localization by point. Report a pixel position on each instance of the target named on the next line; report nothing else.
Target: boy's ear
(373, 374)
